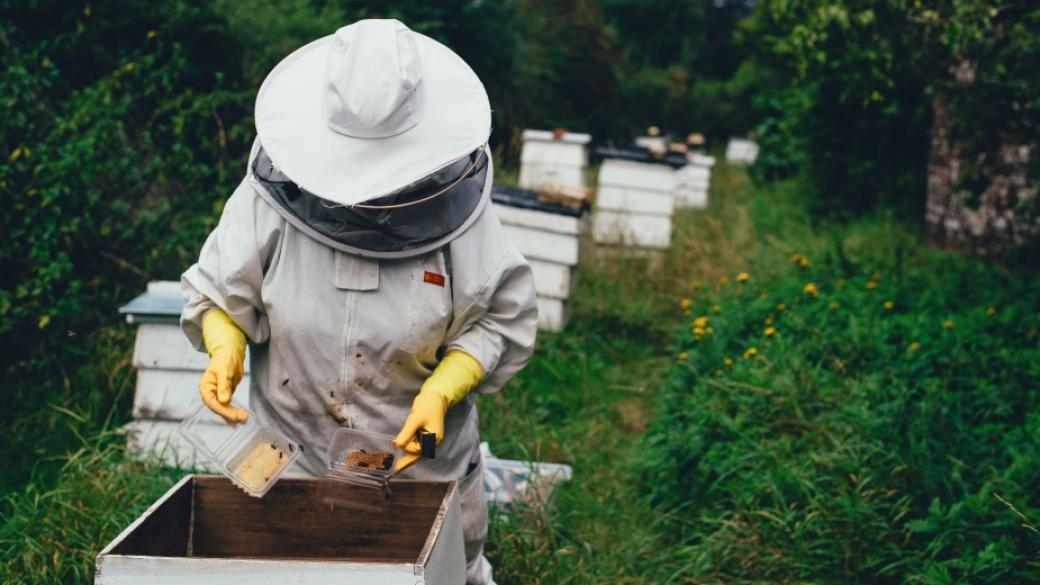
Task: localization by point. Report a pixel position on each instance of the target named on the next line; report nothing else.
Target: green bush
(855, 420)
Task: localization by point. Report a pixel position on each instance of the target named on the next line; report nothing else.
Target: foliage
(853, 418)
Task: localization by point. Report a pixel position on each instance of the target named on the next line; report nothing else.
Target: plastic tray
(252, 455)
(353, 486)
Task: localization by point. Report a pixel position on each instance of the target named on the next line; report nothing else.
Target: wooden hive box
(168, 373)
(635, 198)
(204, 530)
(550, 238)
(741, 151)
(548, 157)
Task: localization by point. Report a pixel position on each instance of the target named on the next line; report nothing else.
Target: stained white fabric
(375, 107)
(341, 340)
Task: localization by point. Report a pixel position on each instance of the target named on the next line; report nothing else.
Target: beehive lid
(527, 199)
(642, 155)
(548, 136)
(160, 303)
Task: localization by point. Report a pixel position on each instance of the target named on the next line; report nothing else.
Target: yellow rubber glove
(455, 377)
(226, 345)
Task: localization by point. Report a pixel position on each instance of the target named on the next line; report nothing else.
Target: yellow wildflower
(724, 280)
(698, 331)
(804, 262)
(701, 321)
(750, 353)
(685, 303)
(888, 305)
(716, 309)
(781, 307)
(682, 355)
(800, 260)
(727, 362)
(915, 346)
(743, 277)
(810, 289)
(151, 34)
(948, 324)
(872, 285)
(770, 331)
(769, 321)
(991, 311)
(687, 313)
(834, 305)
(44, 321)
(708, 331)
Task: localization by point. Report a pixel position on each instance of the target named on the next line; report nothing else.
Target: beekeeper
(362, 260)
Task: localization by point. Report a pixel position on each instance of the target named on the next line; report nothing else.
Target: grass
(675, 465)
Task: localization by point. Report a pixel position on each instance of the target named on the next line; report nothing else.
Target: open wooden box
(206, 530)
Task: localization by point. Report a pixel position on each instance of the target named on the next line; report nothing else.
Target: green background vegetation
(859, 444)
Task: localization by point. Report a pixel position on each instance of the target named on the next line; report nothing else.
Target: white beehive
(634, 200)
(741, 151)
(550, 239)
(558, 158)
(693, 182)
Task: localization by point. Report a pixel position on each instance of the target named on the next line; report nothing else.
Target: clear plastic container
(250, 454)
(359, 466)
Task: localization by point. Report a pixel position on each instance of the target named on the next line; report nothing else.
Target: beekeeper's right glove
(226, 345)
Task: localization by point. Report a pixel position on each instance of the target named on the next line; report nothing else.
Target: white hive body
(635, 200)
(553, 158)
(550, 238)
(693, 182)
(741, 151)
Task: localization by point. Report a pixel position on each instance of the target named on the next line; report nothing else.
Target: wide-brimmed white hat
(364, 112)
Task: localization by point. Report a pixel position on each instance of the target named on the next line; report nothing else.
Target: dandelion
(750, 353)
(743, 277)
(716, 309)
(687, 313)
(151, 34)
(727, 362)
(685, 303)
(914, 346)
(682, 355)
(800, 260)
(769, 331)
(701, 321)
(872, 285)
(948, 324)
(834, 305)
(698, 331)
(781, 307)
(991, 311)
(810, 289)
(769, 321)
(708, 331)
(888, 305)
(804, 262)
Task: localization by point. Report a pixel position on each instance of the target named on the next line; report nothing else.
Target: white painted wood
(649, 231)
(556, 153)
(172, 394)
(692, 184)
(164, 346)
(164, 288)
(692, 173)
(741, 151)
(539, 245)
(633, 200)
(637, 175)
(652, 142)
(446, 562)
(556, 281)
(534, 175)
(540, 220)
(162, 443)
(691, 198)
(547, 136)
(552, 314)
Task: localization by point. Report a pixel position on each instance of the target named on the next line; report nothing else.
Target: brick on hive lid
(574, 198)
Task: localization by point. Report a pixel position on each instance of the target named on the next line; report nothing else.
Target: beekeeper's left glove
(226, 345)
(455, 377)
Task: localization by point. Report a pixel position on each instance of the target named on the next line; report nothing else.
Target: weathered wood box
(548, 157)
(635, 198)
(205, 530)
(550, 238)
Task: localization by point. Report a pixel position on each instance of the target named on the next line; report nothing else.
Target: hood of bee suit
(411, 221)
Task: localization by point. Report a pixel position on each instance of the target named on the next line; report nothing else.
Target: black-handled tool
(427, 444)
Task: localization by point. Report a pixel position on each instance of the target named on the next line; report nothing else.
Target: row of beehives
(638, 190)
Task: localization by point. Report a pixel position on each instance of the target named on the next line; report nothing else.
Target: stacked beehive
(553, 157)
(693, 181)
(635, 198)
(741, 151)
(549, 237)
(168, 373)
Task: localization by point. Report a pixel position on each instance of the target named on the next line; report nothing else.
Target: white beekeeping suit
(353, 275)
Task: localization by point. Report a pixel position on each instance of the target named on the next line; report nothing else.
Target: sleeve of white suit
(231, 267)
(496, 321)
